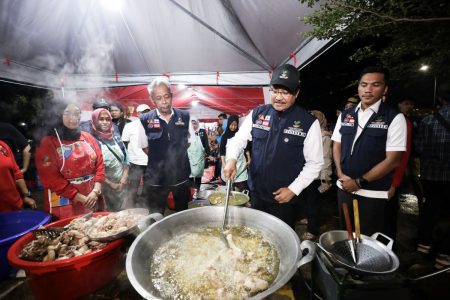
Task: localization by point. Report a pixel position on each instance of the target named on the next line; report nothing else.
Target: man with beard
(286, 151)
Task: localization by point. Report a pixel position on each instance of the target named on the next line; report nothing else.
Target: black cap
(101, 103)
(287, 76)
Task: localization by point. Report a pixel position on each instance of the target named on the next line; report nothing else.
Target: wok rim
(278, 283)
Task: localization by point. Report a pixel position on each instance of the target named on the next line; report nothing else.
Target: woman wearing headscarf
(311, 196)
(196, 153)
(115, 157)
(240, 181)
(69, 163)
(13, 190)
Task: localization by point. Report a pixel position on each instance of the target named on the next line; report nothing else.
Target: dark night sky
(331, 79)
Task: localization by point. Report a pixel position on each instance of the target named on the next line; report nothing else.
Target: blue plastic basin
(13, 225)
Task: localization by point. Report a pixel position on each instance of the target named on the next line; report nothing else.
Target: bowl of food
(236, 198)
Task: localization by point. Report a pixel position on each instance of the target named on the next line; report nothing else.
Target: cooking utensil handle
(348, 225)
(310, 255)
(145, 222)
(390, 241)
(356, 215)
(225, 214)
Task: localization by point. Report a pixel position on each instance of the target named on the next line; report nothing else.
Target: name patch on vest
(379, 125)
(295, 131)
(266, 128)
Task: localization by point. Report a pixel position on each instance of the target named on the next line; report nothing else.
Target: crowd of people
(286, 156)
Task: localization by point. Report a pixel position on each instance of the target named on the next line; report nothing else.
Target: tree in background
(401, 34)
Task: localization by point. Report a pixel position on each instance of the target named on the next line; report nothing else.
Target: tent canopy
(84, 44)
(204, 102)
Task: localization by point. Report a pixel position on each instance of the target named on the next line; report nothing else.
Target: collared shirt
(433, 144)
(142, 140)
(191, 128)
(312, 152)
(396, 139)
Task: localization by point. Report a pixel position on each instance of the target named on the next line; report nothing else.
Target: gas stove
(335, 283)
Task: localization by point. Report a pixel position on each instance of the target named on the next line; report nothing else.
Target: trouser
(135, 175)
(391, 209)
(371, 212)
(217, 168)
(284, 211)
(310, 200)
(157, 196)
(436, 207)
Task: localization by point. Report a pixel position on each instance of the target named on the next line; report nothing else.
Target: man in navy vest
(167, 131)
(286, 151)
(369, 141)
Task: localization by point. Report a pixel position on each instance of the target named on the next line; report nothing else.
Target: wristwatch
(27, 194)
(98, 192)
(360, 181)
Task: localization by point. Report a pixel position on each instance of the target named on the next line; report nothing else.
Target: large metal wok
(287, 241)
(373, 257)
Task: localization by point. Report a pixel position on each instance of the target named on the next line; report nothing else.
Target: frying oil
(198, 265)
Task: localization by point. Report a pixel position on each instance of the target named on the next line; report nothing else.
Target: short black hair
(118, 105)
(223, 115)
(376, 69)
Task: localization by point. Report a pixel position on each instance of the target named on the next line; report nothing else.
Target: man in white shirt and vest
(369, 141)
(287, 150)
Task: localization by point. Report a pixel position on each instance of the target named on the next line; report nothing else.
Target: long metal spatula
(54, 232)
(348, 225)
(225, 211)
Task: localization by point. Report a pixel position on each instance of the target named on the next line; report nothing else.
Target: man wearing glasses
(287, 148)
(167, 132)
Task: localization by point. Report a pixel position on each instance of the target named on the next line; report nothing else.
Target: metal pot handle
(311, 253)
(389, 244)
(149, 220)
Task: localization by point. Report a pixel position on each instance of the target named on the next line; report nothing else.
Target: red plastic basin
(74, 277)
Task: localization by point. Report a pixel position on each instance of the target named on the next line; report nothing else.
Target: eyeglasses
(72, 114)
(165, 96)
(281, 93)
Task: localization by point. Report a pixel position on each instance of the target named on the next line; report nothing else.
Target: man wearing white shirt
(369, 141)
(287, 150)
(137, 157)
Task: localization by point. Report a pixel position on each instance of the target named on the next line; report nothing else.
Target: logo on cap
(284, 75)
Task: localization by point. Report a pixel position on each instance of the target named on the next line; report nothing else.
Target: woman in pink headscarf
(115, 157)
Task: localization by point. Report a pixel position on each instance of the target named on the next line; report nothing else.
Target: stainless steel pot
(287, 241)
(373, 257)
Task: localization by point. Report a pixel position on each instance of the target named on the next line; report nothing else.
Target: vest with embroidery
(369, 148)
(168, 162)
(277, 149)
